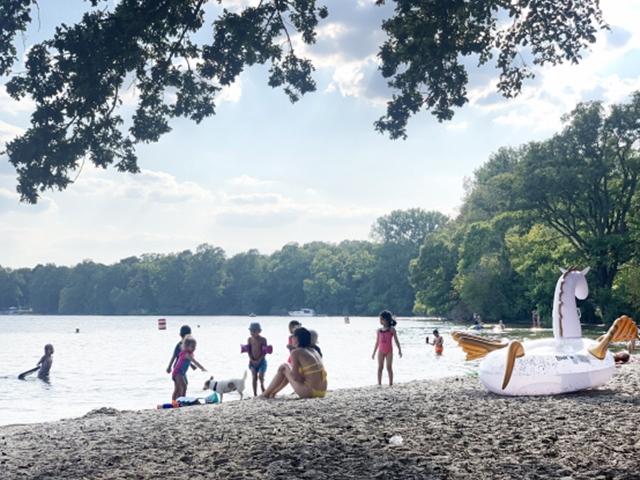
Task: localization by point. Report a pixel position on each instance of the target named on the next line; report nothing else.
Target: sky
(264, 172)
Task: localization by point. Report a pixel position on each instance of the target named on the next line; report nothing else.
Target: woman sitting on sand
(306, 374)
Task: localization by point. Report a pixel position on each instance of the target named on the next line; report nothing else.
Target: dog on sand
(226, 386)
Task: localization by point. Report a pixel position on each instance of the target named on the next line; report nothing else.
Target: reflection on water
(120, 362)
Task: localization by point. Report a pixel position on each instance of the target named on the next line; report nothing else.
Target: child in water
(43, 367)
(384, 338)
(438, 342)
(185, 359)
(257, 361)
(45, 362)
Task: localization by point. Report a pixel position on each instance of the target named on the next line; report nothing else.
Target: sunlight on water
(120, 362)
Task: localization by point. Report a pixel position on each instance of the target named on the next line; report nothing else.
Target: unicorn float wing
(565, 363)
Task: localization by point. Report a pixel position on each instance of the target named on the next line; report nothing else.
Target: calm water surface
(120, 362)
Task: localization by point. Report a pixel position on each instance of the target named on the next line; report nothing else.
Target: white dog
(225, 386)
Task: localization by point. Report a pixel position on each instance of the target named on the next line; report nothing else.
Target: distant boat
(16, 311)
(252, 315)
(303, 312)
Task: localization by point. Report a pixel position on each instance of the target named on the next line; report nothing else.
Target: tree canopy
(571, 199)
(77, 78)
(348, 278)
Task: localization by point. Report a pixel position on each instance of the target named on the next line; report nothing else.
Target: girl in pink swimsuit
(185, 359)
(384, 345)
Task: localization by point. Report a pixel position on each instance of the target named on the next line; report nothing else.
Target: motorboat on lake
(303, 312)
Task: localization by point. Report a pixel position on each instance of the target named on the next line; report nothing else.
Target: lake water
(120, 362)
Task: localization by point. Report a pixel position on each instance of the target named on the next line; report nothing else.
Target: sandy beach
(450, 429)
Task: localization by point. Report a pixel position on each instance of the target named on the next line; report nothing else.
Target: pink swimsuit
(385, 337)
(182, 365)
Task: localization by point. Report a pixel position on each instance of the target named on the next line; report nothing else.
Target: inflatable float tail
(623, 329)
(516, 350)
(474, 346)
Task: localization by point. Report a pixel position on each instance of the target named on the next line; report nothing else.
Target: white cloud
(287, 211)
(231, 93)
(235, 5)
(106, 216)
(10, 202)
(245, 180)
(255, 199)
(8, 132)
(147, 185)
(348, 78)
(457, 126)
(14, 107)
(332, 30)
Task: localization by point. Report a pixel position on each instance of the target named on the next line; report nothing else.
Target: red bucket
(162, 324)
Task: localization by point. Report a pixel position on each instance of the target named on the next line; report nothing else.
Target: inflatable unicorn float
(566, 363)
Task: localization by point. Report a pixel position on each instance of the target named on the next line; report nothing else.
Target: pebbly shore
(449, 429)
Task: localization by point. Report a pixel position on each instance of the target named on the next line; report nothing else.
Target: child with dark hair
(185, 360)
(184, 331)
(293, 324)
(45, 362)
(438, 342)
(384, 345)
(314, 341)
(44, 365)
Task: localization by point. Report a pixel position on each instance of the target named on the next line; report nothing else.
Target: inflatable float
(565, 363)
(266, 349)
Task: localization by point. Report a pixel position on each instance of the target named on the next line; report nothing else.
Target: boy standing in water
(438, 342)
(44, 365)
(257, 361)
(45, 362)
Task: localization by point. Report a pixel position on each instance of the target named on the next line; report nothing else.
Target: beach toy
(245, 348)
(173, 404)
(213, 398)
(187, 401)
(162, 324)
(28, 372)
(566, 363)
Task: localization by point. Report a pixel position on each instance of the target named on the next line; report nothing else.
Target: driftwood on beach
(450, 429)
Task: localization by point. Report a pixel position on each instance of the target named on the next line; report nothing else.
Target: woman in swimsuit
(305, 374)
(384, 345)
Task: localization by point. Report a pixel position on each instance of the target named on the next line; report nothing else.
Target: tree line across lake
(570, 200)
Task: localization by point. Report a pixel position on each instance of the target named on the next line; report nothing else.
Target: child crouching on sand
(185, 359)
(384, 338)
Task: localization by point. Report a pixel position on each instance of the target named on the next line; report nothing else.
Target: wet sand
(450, 429)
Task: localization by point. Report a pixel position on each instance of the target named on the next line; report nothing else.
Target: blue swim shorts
(259, 368)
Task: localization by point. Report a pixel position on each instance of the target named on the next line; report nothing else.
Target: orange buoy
(162, 324)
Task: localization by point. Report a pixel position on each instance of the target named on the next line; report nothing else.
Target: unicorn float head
(572, 284)
(566, 363)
